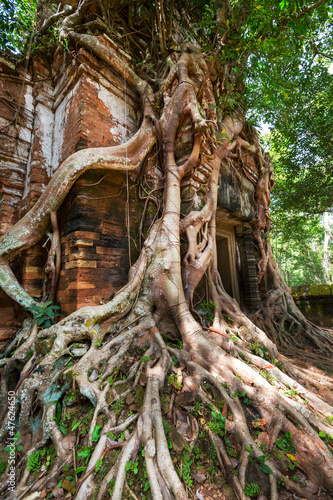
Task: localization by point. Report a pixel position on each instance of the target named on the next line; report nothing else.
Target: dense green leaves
(44, 314)
(290, 87)
(16, 24)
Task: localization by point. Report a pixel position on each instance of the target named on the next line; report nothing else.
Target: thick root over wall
(136, 397)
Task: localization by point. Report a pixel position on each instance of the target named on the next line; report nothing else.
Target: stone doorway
(226, 258)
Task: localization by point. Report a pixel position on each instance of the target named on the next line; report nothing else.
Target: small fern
(251, 489)
(34, 461)
(213, 452)
(98, 465)
(231, 452)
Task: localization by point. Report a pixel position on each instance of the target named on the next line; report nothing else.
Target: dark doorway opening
(224, 266)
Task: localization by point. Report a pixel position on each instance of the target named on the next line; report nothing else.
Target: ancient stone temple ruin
(49, 111)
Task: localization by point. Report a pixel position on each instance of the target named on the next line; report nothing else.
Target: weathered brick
(80, 263)
(111, 251)
(80, 285)
(84, 256)
(86, 235)
(82, 243)
(33, 269)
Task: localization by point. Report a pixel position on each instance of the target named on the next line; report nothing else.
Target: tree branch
(319, 53)
(310, 8)
(54, 18)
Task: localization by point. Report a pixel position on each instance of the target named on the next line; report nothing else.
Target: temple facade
(49, 111)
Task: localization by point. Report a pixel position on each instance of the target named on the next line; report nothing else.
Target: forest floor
(188, 427)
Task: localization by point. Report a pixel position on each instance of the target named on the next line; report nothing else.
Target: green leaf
(166, 427)
(251, 489)
(96, 433)
(85, 453)
(287, 437)
(33, 308)
(219, 418)
(58, 412)
(265, 469)
(145, 358)
(79, 469)
(75, 425)
(280, 444)
(63, 428)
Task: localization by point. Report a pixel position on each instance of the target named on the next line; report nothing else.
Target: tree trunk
(327, 237)
(222, 379)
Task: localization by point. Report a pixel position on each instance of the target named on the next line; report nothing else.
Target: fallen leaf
(311, 487)
(67, 485)
(184, 430)
(51, 483)
(259, 422)
(43, 494)
(291, 457)
(234, 463)
(267, 367)
(263, 438)
(110, 442)
(68, 442)
(145, 338)
(200, 478)
(181, 415)
(199, 496)
(93, 376)
(58, 492)
(215, 330)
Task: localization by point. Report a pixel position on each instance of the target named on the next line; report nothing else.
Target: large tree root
(287, 327)
(279, 413)
(226, 381)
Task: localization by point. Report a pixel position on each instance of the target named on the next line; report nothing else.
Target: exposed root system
(101, 389)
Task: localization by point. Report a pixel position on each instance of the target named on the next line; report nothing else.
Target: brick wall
(16, 126)
(74, 104)
(95, 259)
